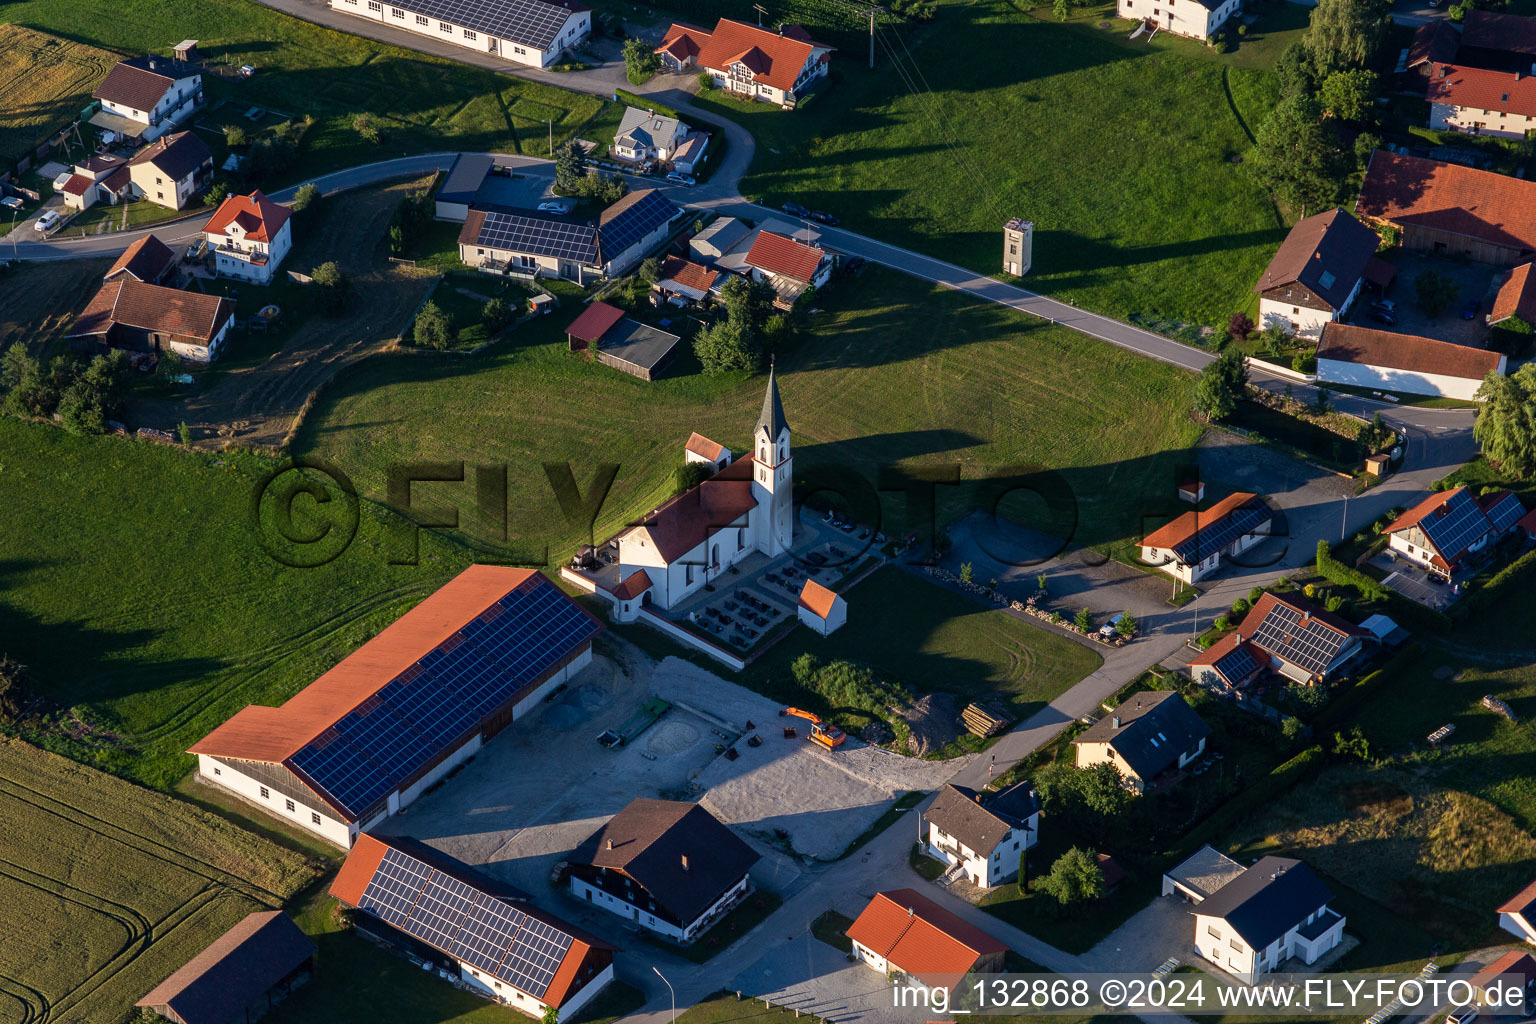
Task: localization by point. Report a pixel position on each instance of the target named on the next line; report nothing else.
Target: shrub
(706, 81)
(1084, 619)
(306, 196)
(689, 475)
(1304, 362)
(184, 433)
(366, 127)
(967, 572)
(434, 328)
(1242, 30)
(330, 287)
(1075, 878)
(1309, 591)
(216, 194)
(1240, 606)
(1239, 326)
(1255, 594)
(1222, 622)
(495, 315)
(235, 135)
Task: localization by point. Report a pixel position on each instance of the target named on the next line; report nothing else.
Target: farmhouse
(1260, 916)
(145, 97)
(821, 609)
(1150, 736)
(1368, 358)
(775, 67)
(446, 913)
(980, 834)
(1288, 635)
(533, 33)
(171, 170)
(100, 178)
(669, 866)
(1194, 545)
(532, 244)
(1518, 915)
(249, 236)
(620, 342)
(1516, 297)
(148, 260)
(1434, 42)
(1316, 273)
(691, 540)
(683, 281)
(1447, 208)
(1480, 101)
(407, 707)
(790, 267)
(1195, 19)
(139, 317)
(907, 936)
(1440, 532)
(1504, 41)
(240, 976)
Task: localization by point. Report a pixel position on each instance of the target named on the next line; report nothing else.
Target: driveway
(1473, 281)
(1161, 929)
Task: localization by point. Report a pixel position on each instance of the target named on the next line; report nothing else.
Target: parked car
(1108, 629)
(681, 179)
(47, 222)
(1385, 304)
(795, 210)
(823, 217)
(1469, 311)
(1462, 1015)
(553, 207)
(1384, 316)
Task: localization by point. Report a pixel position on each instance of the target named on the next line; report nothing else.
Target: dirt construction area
(545, 784)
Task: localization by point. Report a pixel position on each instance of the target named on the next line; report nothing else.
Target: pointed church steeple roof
(772, 418)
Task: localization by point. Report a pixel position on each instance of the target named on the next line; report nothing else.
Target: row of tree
(84, 394)
(575, 178)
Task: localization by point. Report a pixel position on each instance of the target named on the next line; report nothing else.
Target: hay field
(44, 82)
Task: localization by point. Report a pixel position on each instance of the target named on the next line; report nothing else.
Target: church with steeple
(746, 507)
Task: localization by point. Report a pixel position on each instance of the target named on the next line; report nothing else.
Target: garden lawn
(1122, 157)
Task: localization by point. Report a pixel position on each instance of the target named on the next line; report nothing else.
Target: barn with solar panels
(530, 32)
(532, 244)
(487, 933)
(407, 707)
(1287, 635)
(1194, 545)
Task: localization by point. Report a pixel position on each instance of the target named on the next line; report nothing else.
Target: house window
(1210, 930)
(395, 12)
(469, 34)
(216, 770)
(264, 794)
(289, 803)
(1238, 947)
(159, 181)
(159, 195)
(1295, 311)
(314, 818)
(422, 19)
(443, 26)
(373, 5)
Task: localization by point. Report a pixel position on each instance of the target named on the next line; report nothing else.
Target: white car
(47, 222)
(553, 207)
(681, 179)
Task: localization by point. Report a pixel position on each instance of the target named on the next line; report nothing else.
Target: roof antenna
(761, 10)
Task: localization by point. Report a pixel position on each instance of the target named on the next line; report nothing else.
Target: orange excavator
(829, 736)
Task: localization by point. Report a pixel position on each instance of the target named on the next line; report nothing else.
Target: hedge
(1246, 803)
(1407, 612)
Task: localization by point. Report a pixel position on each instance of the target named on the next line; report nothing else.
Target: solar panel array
(1313, 648)
(1506, 513)
(467, 924)
(1211, 538)
(1456, 526)
(1237, 664)
(530, 22)
(648, 213)
(417, 715)
(560, 239)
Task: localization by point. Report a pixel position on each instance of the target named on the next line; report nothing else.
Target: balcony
(257, 259)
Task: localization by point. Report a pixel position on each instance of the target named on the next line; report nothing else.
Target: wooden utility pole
(551, 122)
(872, 11)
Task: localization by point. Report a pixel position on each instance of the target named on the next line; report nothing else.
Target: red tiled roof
(704, 447)
(637, 583)
(1347, 343)
(689, 519)
(1481, 89)
(688, 274)
(594, 322)
(152, 307)
(1516, 297)
(259, 217)
(1505, 33)
(1520, 902)
(1417, 191)
(118, 179)
(146, 259)
(683, 41)
(775, 60)
(1436, 41)
(357, 870)
(136, 88)
(1422, 509)
(784, 257)
(1190, 523)
(1528, 523)
(1245, 633)
(77, 184)
(918, 936)
(817, 599)
(1513, 962)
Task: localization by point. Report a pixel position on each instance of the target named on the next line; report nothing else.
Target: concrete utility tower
(1018, 246)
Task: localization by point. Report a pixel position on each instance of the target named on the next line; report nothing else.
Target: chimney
(1115, 722)
(610, 844)
(1237, 637)
(978, 798)
(685, 862)
(911, 912)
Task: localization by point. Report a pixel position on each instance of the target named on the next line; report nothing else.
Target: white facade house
(145, 97)
(1195, 19)
(249, 237)
(647, 135)
(764, 64)
(822, 609)
(1317, 273)
(980, 834)
(1147, 737)
(1384, 361)
(534, 33)
(701, 449)
(1195, 544)
(1443, 530)
(1480, 101)
(532, 244)
(1518, 915)
(171, 170)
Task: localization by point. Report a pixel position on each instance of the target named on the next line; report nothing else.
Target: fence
(698, 643)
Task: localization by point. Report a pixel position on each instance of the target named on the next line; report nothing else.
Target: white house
(531, 244)
(980, 834)
(171, 170)
(821, 609)
(408, 894)
(319, 761)
(910, 938)
(1287, 635)
(789, 266)
(767, 65)
(1316, 274)
(1196, 19)
(1385, 361)
(1194, 545)
(145, 97)
(1481, 101)
(701, 449)
(647, 135)
(1148, 736)
(1518, 915)
(668, 866)
(99, 178)
(533, 33)
(1441, 531)
(249, 236)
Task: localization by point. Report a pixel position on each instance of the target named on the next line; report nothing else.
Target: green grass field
(107, 888)
(1123, 156)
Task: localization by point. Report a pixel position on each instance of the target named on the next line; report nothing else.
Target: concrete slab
(1161, 929)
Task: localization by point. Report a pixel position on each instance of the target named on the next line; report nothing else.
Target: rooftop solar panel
(1506, 513)
(393, 890)
(539, 236)
(1213, 536)
(648, 213)
(1236, 664)
(530, 22)
(1313, 647)
(1456, 526)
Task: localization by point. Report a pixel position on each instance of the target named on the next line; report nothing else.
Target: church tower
(772, 479)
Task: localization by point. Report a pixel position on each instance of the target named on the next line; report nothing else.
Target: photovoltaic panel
(531, 22)
(1313, 648)
(1236, 664)
(488, 931)
(535, 956)
(1211, 538)
(440, 912)
(395, 887)
(1456, 526)
(648, 213)
(1506, 513)
(539, 236)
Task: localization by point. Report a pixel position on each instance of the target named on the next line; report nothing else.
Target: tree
(1084, 619)
(1366, 143)
(268, 156)
(331, 287)
(1126, 627)
(1298, 75)
(365, 126)
(1348, 95)
(1240, 606)
(1075, 878)
(650, 270)
(1512, 336)
(1274, 339)
(235, 135)
(1023, 879)
(216, 194)
(184, 433)
(169, 367)
(1291, 730)
(1239, 326)
(1061, 8)
(1346, 34)
(1042, 583)
(15, 688)
(570, 165)
(434, 328)
(1297, 158)
(1506, 423)
(967, 572)
(306, 196)
(1352, 745)
(641, 60)
(1092, 801)
(496, 315)
(95, 395)
(551, 1015)
(1435, 291)
(689, 475)
(1219, 386)
(721, 348)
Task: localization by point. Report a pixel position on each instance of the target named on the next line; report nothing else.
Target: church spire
(772, 419)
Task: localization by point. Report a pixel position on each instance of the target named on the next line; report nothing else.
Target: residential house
(453, 917)
(100, 178)
(240, 976)
(139, 317)
(1516, 296)
(684, 281)
(1480, 101)
(1450, 209)
(145, 97)
(1317, 272)
(621, 342)
(392, 718)
(1518, 914)
(701, 449)
(905, 935)
(1194, 545)
(1514, 968)
(533, 33)
(980, 834)
(1193, 19)
(533, 244)
(1284, 634)
(790, 267)
(1148, 737)
(249, 236)
(1502, 41)
(1367, 358)
(772, 66)
(171, 170)
(148, 260)
(822, 609)
(1262, 915)
(1443, 530)
(1201, 874)
(668, 866)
